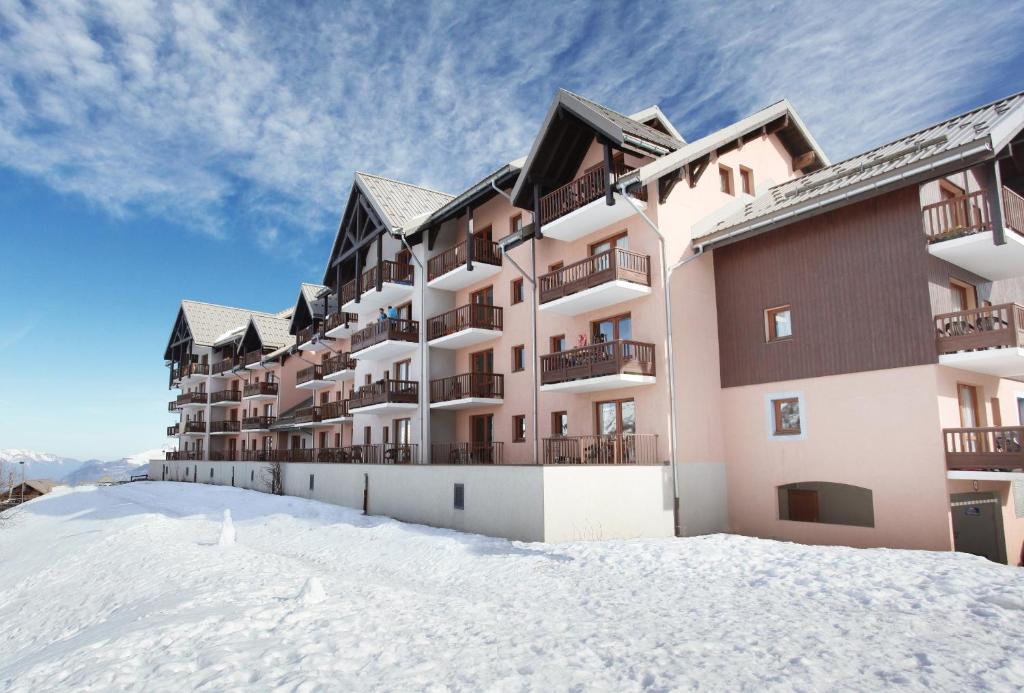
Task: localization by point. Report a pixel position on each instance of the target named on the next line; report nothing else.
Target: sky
(155, 151)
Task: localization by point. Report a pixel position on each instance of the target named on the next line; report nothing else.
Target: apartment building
(572, 333)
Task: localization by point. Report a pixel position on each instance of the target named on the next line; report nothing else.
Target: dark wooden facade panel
(857, 283)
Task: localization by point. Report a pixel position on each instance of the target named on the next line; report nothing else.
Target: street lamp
(22, 463)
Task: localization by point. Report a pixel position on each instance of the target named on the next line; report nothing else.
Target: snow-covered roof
(209, 323)
(398, 202)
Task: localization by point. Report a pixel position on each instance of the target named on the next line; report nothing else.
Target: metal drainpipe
(424, 352)
(666, 273)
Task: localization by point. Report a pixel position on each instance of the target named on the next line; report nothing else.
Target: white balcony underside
(345, 374)
(193, 433)
(314, 384)
(1007, 362)
(590, 218)
(255, 430)
(192, 379)
(256, 366)
(385, 350)
(461, 277)
(984, 476)
(978, 254)
(224, 403)
(604, 382)
(192, 405)
(253, 398)
(595, 298)
(389, 295)
(338, 420)
(342, 331)
(224, 433)
(468, 403)
(464, 338)
(313, 345)
(384, 408)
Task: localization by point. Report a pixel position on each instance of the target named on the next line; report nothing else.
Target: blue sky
(151, 152)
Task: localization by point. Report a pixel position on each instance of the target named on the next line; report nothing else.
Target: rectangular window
(460, 497)
(559, 423)
(725, 180)
(557, 343)
(518, 358)
(517, 291)
(786, 416)
(555, 266)
(515, 224)
(310, 482)
(211, 472)
(778, 324)
(747, 180)
(519, 428)
(367, 435)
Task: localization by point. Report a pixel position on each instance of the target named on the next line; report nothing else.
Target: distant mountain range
(43, 465)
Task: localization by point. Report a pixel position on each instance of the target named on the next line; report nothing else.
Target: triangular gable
(180, 337)
(360, 224)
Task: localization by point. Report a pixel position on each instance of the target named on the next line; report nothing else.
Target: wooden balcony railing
(628, 448)
(958, 216)
(385, 391)
(617, 263)
(220, 456)
(603, 358)
(388, 271)
(374, 453)
(310, 374)
(178, 455)
(227, 426)
(474, 315)
(224, 365)
(252, 357)
(466, 453)
(486, 385)
(172, 406)
(988, 327)
(341, 318)
(337, 409)
(190, 369)
(191, 398)
(264, 388)
(1013, 210)
(591, 186)
(195, 427)
(385, 330)
(308, 415)
(348, 291)
(484, 251)
(226, 396)
(307, 333)
(337, 363)
(251, 423)
(999, 448)
(172, 430)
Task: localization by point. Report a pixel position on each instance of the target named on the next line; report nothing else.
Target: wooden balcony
(225, 427)
(172, 430)
(179, 455)
(467, 453)
(987, 340)
(258, 423)
(386, 338)
(191, 372)
(385, 396)
(992, 449)
(311, 378)
(629, 448)
(311, 337)
(465, 326)
(959, 230)
(172, 406)
(373, 453)
(252, 359)
(225, 398)
(467, 390)
(580, 207)
(335, 412)
(224, 365)
(339, 367)
(192, 399)
(341, 324)
(195, 427)
(262, 390)
(602, 366)
(382, 285)
(308, 415)
(599, 281)
(450, 270)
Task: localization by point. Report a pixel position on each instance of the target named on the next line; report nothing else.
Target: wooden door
(803, 505)
(481, 436)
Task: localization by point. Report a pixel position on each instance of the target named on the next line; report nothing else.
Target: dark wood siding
(857, 281)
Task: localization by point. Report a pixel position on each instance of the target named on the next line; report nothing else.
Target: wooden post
(380, 261)
(993, 181)
(609, 193)
(359, 273)
(469, 238)
(536, 211)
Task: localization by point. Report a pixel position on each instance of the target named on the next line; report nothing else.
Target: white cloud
(251, 120)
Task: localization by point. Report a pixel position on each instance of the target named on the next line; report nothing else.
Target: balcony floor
(192, 405)
(389, 348)
(318, 384)
(605, 382)
(464, 338)
(342, 331)
(258, 366)
(971, 475)
(254, 398)
(192, 379)
(590, 218)
(314, 346)
(1005, 362)
(225, 433)
(468, 403)
(390, 294)
(596, 297)
(224, 403)
(384, 408)
(338, 420)
(345, 374)
(977, 254)
(461, 277)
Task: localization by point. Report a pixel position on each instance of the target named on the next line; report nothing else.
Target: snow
(126, 588)
(227, 531)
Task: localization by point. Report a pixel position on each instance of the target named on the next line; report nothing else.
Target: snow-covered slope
(127, 588)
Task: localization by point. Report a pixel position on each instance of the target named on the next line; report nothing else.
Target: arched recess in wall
(827, 502)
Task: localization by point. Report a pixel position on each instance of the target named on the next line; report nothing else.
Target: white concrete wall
(703, 498)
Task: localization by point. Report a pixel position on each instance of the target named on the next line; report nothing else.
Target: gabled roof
(309, 297)
(398, 202)
(208, 322)
(654, 113)
(628, 125)
(953, 144)
(477, 193)
(271, 330)
(41, 485)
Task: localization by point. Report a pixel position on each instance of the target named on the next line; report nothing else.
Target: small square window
(725, 180)
(460, 496)
(786, 416)
(747, 180)
(519, 428)
(517, 291)
(518, 358)
(557, 343)
(778, 324)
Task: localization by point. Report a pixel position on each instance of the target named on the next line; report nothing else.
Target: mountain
(41, 465)
(117, 470)
(37, 465)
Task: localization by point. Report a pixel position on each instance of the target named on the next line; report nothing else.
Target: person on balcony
(392, 312)
(381, 316)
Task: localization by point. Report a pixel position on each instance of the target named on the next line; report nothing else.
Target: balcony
(195, 428)
(627, 448)
(221, 428)
(466, 453)
(178, 455)
(385, 396)
(987, 340)
(464, 326)
(603, 366)
(986, 450)
(191, 373)
(253, 360)
(374, 453)
(307, 415)
(959, 230)
(340, 325)
(191, 399)
(311, 378)
(172, 406)
(172, 430)
(450, 270)
(258, 423)
(223, 366)
(599, 281)
(225, 398)
(580, 208)
(335, 412)
(467, 391)
(258, 391)
(339, 367)
(386, 338)
(311, 338)
(383, 285)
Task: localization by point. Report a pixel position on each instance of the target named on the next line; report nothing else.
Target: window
(519, 428)
(337, 440)
(484, 233)
(609, 329)
(403, 369)
(310, 482)
(515, 224)
(211, 472)
(778, 324)
(557, 343)
(403, 431)
(367, 435)
(323, 439)
(460, 496)
(725, 180)
(785, 416)
(747, 180)
(827, 502)
(517, 291)
(483, 297)
(559, 423)
(965, 295)
(385, 434)
(252, 475)
(518, 358)
(403, 257)
(615, 417)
